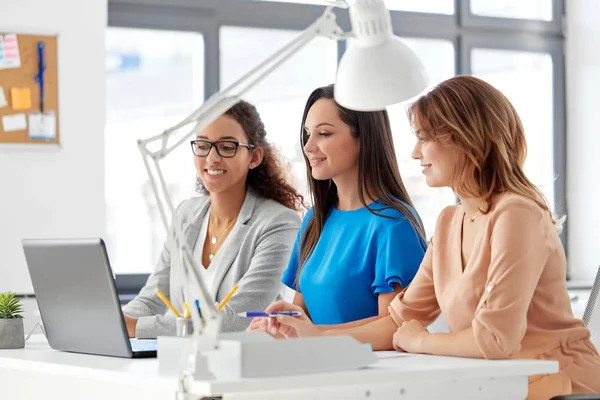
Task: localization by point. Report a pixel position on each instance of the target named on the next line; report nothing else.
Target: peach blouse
(512, 293)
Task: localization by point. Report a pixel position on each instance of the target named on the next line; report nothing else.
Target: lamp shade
(377, 69)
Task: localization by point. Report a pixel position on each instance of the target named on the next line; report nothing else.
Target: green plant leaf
(10, 306)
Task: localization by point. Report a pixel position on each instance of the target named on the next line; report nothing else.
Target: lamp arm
(190, 266)
(220, 102)
(212, 109)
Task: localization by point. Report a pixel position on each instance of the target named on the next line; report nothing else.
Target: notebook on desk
(76, 295)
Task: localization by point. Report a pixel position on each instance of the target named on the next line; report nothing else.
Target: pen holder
(184, 327)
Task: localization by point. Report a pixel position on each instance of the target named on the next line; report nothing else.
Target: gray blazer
(254, 255)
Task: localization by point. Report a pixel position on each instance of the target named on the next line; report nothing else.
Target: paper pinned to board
(3, 102)
(9, 51)
(14, 122)
(42, 126)
(20, 98)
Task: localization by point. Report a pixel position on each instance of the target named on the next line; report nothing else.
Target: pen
(167, 303)
(198, 307)
(226, 299)
(254, 314)
(39, 78)
(187, 312)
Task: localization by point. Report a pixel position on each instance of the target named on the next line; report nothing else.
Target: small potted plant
(12, 334)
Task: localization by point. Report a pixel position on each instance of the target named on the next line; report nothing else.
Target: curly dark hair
(269, 178)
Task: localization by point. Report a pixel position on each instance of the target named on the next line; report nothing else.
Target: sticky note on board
(3, 102)
(14, 122)
(20, 98)
(42, 126)
(9, 51)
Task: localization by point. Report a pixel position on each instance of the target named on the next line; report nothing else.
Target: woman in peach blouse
(495, 267)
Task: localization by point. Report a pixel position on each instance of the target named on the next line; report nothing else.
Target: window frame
(464, 29)
(550, 28)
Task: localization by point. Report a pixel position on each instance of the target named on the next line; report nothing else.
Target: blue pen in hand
(255, 314)
(198, 308)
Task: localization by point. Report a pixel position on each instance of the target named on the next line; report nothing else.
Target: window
(281, 97)
(429, 6)
(438, 58)
(530, 9)
(153, 80)
(526, 79)
(515, 45)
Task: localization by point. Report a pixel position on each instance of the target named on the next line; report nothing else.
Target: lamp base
(257, 355)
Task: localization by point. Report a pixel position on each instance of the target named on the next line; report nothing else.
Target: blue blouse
(358, 256)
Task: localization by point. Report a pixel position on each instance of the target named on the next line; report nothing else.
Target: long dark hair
(378, 173)
(269, 178)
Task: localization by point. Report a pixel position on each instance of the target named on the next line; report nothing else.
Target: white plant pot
(12, 334)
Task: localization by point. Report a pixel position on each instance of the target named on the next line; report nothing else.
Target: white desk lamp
(377, 70)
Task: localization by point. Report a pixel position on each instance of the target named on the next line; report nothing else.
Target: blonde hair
(476, 119)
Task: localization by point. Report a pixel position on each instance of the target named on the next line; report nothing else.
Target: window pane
(530, 9)
(429, 6)
(438, 58)
(526, 79)
(154, 79)
(281, 97)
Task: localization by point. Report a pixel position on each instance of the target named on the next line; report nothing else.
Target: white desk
(39, 372)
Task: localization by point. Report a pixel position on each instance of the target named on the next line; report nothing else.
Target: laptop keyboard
(143, 345)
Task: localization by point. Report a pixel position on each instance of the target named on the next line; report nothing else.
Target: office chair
(591, 317)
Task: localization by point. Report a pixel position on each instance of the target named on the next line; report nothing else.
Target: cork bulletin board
(21, 118)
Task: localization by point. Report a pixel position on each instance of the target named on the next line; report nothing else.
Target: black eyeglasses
(225, 148)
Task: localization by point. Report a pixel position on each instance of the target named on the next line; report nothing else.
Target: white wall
(583, 136)
(58, 192)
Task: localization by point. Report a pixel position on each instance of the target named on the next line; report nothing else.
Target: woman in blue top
(362, 242)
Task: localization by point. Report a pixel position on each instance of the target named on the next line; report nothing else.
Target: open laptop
(75, 291)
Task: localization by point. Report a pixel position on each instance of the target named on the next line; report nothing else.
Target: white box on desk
(258, 355)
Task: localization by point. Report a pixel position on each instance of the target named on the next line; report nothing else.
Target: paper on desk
(42, 126)
(9, 51)
(14, 122)
(381, 355)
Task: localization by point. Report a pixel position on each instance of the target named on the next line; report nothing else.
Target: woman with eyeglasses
(241, 230)
(362, 242)
(495, 267)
